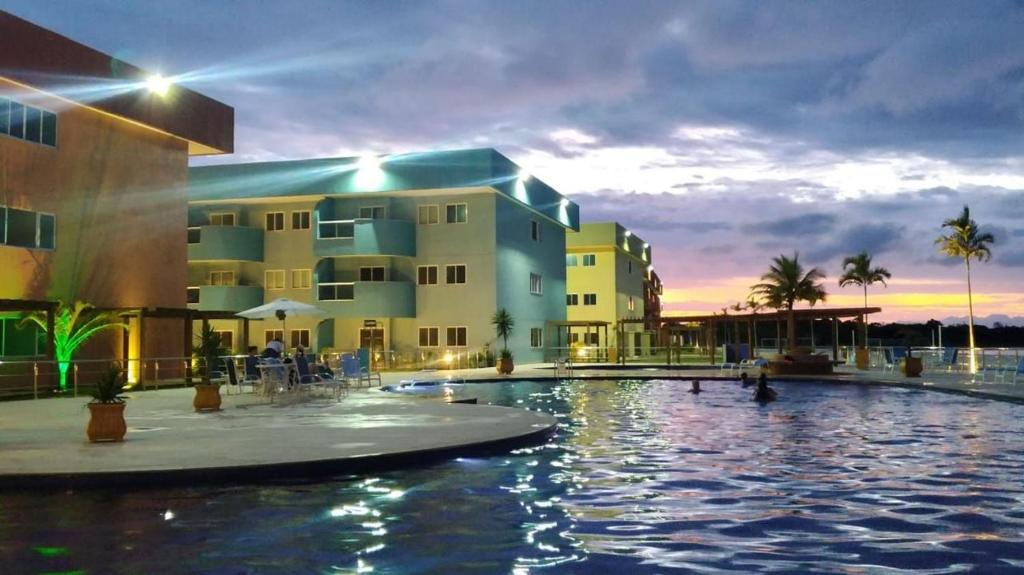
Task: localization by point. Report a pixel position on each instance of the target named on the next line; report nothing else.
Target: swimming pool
(643, 478)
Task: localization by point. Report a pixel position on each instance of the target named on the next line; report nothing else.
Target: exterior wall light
(369, 162)
(524, 174)
(158, 85)
(565, 203)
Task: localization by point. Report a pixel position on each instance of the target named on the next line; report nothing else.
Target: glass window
(536, 337)
(456, 213)
(590, 299)
(3, 225)
(227, 339)
(455, 274)
(222, 219)
(192, 295)
(5, 115)
(300, 220)
(335, 230)
(455, 337)
(270, 335)
(572, 299)
(429, 215)
(301, 279)
(222, 278)
(21, 228)
(571, 260)
(194, 235)
(33, 124)
(300, 337)
(429, 336)
(535, 230)
(426, 275)
(630, 304)
(275, 221)
(49, 128)
(589, 260)
(17, 123)
(536, 285)
(47, 231)
(592, 338)
(371, 274)
(372, 213)
(629, 266)
(336, 292)
(274, 279)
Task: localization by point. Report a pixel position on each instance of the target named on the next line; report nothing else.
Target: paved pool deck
(43, 441)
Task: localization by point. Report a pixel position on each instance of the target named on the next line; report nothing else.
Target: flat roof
(421, 172)
(609, 234)
(44, 60)
(819, 313)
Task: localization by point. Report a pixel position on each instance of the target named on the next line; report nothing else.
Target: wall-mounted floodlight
(628, 233)
(524, 174)
(646, 245)
(158, 85)
(565, 203)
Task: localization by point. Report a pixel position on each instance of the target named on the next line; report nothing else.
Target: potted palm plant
(503, 324)
(106, 410)
(208, 350)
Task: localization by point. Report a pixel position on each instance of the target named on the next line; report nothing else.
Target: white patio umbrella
(281, 308)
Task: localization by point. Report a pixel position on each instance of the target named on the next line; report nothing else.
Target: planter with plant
(208, 350)
(911, 366)
(503, 324)
(106, 410)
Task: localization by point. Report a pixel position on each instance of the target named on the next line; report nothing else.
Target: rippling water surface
(642, 478)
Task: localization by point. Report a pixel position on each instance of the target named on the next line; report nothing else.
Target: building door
(372, 338)
(638, 343)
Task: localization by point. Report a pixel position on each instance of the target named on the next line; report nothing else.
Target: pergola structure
(586, 326)
(707, 324)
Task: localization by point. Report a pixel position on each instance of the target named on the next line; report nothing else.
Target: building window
(536, 337)
(299, 337)
(536, 284)
(227, 339)
(275, 221)
(302, 279)
(535, 230)
(192, 295)
(456, 213)
(273, 279)
(571, 260)
(372, 213)
(429, 336)
(27, 123)
(572, 299)
(590, 299)
(336, 292)
(371, 274)
(222, 219)
(270, 335)
(300, 220)
(336, 229)
(589, 260)
(592, 338)
(426, 275)
(195, 234)
(27, 229)
(455, 274)
(630, 304)
(455, 337)
(222, 278)
(430, 215)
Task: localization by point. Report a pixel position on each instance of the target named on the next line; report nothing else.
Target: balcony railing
(368, 299)
(210, 243)
(365, 237)
(224, 298)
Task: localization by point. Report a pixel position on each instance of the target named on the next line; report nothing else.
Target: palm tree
(785, 284)
(503, 324)
(964, 241)
(72, 326)
(857, 270)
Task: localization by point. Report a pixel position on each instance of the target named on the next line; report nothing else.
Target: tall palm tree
(857, 271)
(785, 284)
(965, 241)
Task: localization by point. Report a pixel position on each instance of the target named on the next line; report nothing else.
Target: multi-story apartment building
(93, 165)
(610, 278)
(409, 255)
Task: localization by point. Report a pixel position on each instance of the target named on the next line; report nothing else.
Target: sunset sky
(724, 133)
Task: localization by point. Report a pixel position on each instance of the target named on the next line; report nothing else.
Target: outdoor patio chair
(353, 371)
(563, 367)
(949, 358)
(893, 356)
(1015, 373)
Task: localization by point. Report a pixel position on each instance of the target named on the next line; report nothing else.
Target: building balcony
(218, 243)
(224, 298)
(364, 237)
(367, 299)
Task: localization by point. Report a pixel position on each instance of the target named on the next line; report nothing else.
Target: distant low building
(410, 255)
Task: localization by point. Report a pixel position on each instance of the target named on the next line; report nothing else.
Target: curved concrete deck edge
(294, 470)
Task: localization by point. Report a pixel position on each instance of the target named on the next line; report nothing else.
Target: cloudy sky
(722, 132)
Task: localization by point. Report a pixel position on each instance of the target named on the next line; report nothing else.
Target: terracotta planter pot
(207, 397)
(106, 422)
(863, 358)
(505, 366)
(911, 367)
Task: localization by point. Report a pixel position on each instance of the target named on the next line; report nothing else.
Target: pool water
(643, 477)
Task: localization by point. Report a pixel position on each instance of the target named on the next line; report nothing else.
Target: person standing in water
(695, 387)
(745, 381)
(763, 393)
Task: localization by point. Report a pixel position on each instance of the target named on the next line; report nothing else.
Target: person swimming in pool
(763, 393)
(695, 387)
(745, 380)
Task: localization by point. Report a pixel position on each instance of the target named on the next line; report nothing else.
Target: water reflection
(642, 477)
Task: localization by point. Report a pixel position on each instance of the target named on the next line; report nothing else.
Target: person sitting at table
(274, 349)
(325, 370)
(252, 360)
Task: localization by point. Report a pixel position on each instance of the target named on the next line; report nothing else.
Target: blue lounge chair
(893, 357)
(949, 358)
(353, 371)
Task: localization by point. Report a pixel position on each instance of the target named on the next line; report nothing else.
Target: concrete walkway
(43, 442)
